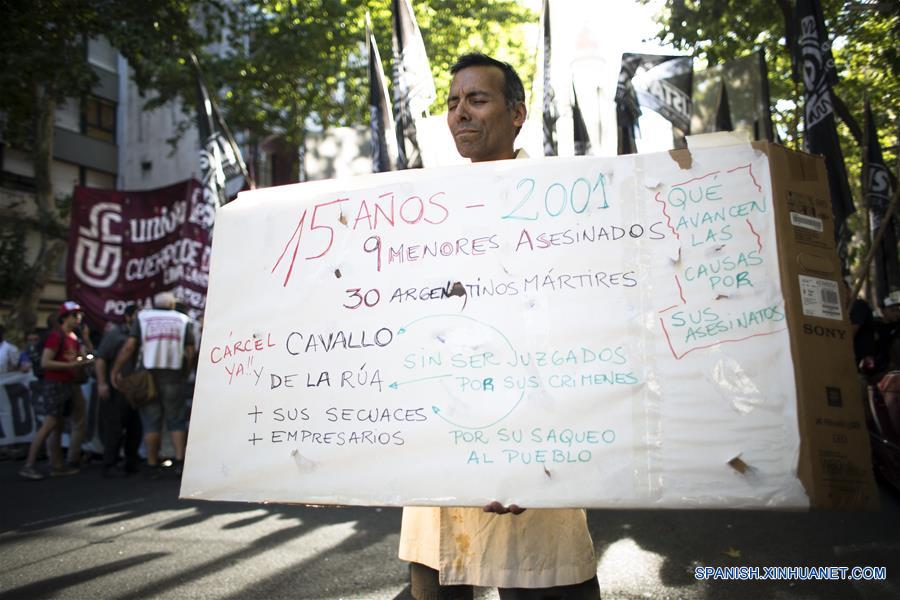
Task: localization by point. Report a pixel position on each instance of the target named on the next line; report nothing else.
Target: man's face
(891, 313)
(71, 321)
(482, 125)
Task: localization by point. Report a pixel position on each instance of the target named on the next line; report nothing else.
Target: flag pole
(864, 189)
(221, 122)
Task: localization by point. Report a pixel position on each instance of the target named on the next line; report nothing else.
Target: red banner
(126, 247)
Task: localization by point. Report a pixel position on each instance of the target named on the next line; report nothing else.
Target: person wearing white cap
(61, 356)
(166, 342)
(892, 306)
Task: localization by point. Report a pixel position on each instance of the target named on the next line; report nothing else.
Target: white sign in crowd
(17, 422)
(587, 331)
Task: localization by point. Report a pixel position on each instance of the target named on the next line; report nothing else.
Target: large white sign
(556, 332)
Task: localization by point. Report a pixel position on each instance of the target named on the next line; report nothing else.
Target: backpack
(34, 355)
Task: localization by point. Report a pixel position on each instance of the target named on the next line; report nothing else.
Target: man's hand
(496, 507)
(103, 390)
(115, 378)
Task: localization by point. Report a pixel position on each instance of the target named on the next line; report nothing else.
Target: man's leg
(40, 437)
(425, 585)
(179, 441)
(175, 409)
(151, 420)
(77, 424)
(586, 590)
(111, 430)
(151, 444)
(131, 423)
(53, 403)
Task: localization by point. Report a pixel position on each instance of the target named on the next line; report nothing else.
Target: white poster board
(571, 332)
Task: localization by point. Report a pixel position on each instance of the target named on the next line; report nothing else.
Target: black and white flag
(580, 132)
(733, 96)
(658, 82)
(414, 89)
(878, 188)
(551, 114)
(222, 169)
(819, 74)
(381, 122)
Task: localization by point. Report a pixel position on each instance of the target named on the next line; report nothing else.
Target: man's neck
(507, 156)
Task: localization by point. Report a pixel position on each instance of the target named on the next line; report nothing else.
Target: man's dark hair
(130, 310)
(513, 90)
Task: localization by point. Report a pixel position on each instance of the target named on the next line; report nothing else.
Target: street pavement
(84, 536)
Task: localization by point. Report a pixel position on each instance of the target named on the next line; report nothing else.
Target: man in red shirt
(60, 358)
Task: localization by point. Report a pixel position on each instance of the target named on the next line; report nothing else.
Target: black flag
(582, 140)
(723, 112)
(819, 74)
(222, 169)
(551, 114)
(381, 123)
(733, 96)
(878, 188)
(661, 83)
(414, 89)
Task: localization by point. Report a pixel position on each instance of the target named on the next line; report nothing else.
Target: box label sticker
(820, 298)
(807, 222)
(808, 215)
(833, 395)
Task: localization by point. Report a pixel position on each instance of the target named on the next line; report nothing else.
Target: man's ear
(519, 114)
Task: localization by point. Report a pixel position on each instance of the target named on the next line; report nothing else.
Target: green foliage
(41, 46)
(864, 37)
(44, 47)
(454, 27)
(13, 278)
(278, 66)
(290, 66)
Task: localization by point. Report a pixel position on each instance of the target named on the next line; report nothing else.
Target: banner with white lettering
(554, 332)
(125, 247)
(17, 422)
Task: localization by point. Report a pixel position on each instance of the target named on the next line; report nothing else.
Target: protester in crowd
(120, 423)
(61, 358)
(78, 418)
(166, 343)
(889, 334)
(862, 322)
(543, 553)
(9, 354)
(191, 368)
(31, 354)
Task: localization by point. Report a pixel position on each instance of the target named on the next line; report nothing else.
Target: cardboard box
(835, 464)
(835, 456)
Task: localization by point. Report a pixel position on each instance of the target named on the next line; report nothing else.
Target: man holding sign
(535, 554)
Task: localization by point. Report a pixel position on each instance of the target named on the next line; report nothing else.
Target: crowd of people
(69, 369)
